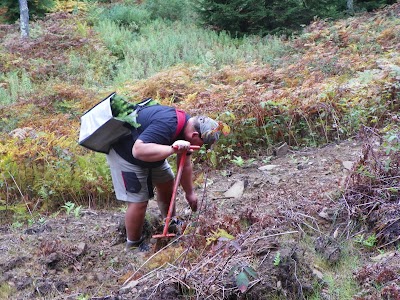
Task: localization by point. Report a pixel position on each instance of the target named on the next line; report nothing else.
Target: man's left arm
(187, 182)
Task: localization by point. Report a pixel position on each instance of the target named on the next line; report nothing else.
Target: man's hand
(192, 200)
(180, 146)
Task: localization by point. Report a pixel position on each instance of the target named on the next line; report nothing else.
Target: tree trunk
(24, 18)
(350, 7)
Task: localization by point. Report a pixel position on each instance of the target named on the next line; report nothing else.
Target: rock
(13, 263)
(130, 285)
(383, 256)
(348, 165)
(281, 150)
(327, 214)
(23, 282)
(302, 167)
(279, 285)
(257, 183)
(318, 274)
(80, 249)
(23, 133)
(328, 248)
(43, 287)
(236, 190)
(38, 229)
(268, 167)
(273, 179)
(52, 259)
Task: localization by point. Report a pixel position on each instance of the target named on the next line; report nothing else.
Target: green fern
(277, 259)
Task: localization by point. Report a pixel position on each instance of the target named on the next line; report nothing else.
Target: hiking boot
(139, 245)
(176, 226)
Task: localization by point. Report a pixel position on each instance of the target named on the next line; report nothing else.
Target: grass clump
(336, 280)
(15, 84)
(132, 17)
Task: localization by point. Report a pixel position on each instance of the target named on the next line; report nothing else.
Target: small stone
(80, 249)
(281, 150)
(326, 214)
(236, 190)
(318, 274)
(348, 165)
(383, 256)
(130, 285)
(268, 167)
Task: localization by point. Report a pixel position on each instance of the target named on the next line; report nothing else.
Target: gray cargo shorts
(133, 183)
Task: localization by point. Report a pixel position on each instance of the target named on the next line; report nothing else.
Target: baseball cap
(209, 132)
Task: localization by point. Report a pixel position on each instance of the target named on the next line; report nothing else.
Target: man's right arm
(152, 152)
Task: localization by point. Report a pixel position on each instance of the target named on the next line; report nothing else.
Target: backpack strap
(181, 117)
(140, 105)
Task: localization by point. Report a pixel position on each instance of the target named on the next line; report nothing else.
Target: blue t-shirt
(158, 124)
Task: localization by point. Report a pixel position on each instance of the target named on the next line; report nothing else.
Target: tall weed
(14, 85)
(115, 37)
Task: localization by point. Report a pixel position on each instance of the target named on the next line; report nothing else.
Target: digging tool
(172, 203)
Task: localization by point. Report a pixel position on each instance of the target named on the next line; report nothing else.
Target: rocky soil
(282, 199)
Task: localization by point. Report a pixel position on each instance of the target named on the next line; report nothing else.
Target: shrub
(173, 10)
(48, 169)
(115, 38)
(14, 85)
(132, 16)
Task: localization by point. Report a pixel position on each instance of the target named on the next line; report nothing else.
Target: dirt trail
(68, 257)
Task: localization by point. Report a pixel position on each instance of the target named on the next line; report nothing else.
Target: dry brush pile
(225, 257)
(372, 195)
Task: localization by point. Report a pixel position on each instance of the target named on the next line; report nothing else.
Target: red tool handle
(192, 147)
(176, 184)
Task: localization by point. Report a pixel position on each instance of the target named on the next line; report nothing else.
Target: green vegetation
(18, 84)
(5, 290)
(37, 8)
(241, 17)
(368, 242)
(340, 281)
(336, 279)
(71, 208)
(243, 275)
(147, 51)
(318, 87)
(277, 259)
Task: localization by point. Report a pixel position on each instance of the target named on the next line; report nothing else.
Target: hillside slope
(67, 257)
(308, 223)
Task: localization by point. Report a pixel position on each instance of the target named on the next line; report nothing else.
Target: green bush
(132, 16)
(173, 10)
(16, 84)
(240, 17)
(91, 68)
